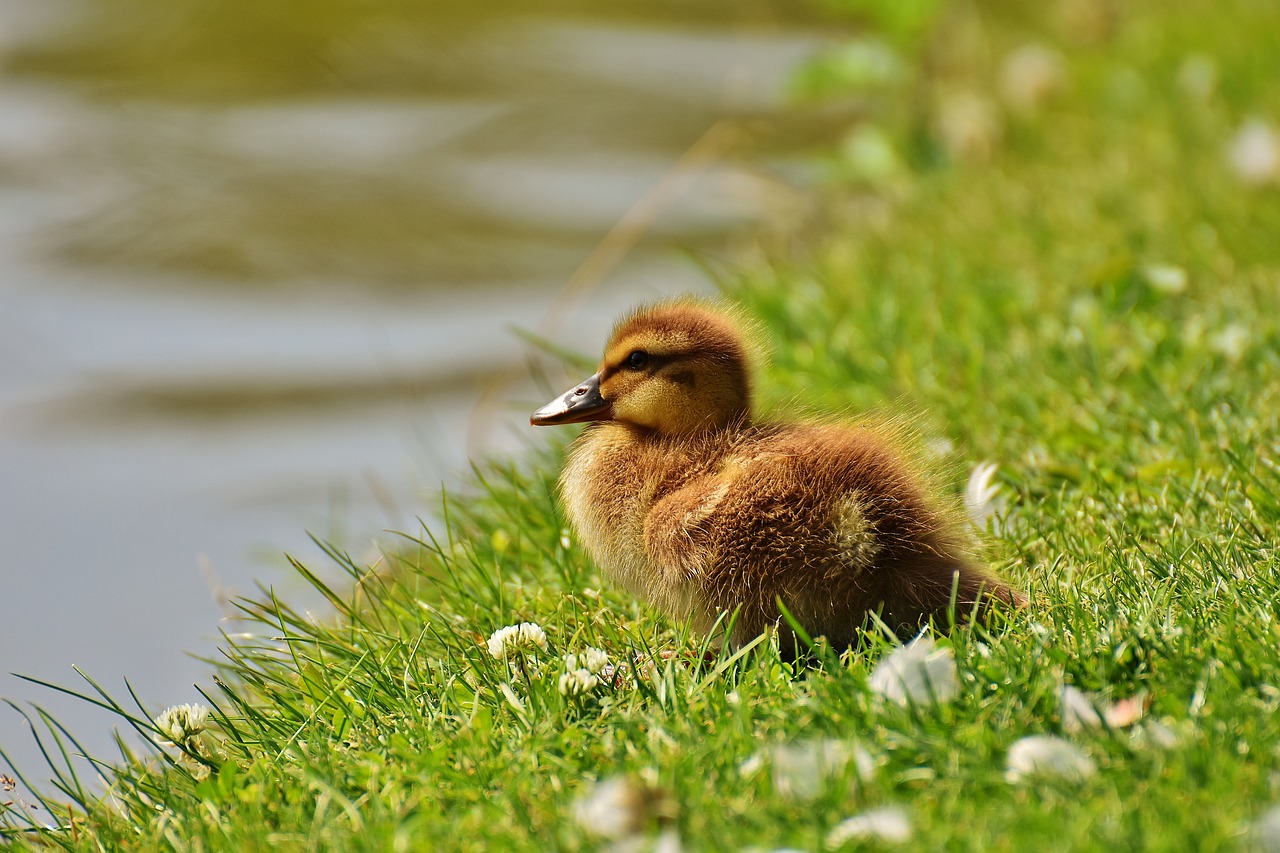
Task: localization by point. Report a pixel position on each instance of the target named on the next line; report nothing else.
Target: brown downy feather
(688, 503)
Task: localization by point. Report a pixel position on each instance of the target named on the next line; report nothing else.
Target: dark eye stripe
(653, 363)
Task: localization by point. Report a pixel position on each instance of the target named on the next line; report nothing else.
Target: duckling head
(676, 368)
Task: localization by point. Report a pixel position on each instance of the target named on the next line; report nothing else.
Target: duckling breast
(615, 479)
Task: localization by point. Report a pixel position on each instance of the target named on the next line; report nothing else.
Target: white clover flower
(1231, 341)
(668, 842)
(1157, 734)
(981, 494)
(591, 659)
(516, 639)
(801, 768)
(1078, 712)
(1165, 278)
(1266, 830)
(1031, 76)
(918, 673)
(890, 824)
(1254, 153)
(612, 808)
(1046, 756)
(577, 682)
(594, 659)
(752, 765)
(182, 724)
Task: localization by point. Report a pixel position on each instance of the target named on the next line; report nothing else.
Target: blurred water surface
(259, 261)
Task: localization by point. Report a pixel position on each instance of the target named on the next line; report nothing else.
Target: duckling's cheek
(643, 406)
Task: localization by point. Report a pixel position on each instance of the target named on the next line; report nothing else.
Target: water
(240, 302)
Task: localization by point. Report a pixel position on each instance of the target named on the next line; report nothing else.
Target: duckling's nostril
(580, 390)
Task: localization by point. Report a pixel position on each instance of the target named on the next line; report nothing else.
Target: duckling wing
(744, 534)
(829, 521)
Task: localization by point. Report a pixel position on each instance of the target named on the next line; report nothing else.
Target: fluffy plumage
(687, 502)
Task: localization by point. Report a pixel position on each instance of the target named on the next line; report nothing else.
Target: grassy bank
(1079, 282)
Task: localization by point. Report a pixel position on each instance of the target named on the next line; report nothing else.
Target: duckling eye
(637, 360)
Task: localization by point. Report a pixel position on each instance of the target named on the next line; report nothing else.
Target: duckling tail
(955, 594)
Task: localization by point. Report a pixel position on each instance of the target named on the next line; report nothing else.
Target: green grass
(1003, 300)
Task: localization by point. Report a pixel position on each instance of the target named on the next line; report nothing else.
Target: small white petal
(1231, 341)
(513, 639)
(578, 682)
(1077, 711)
(181, 723)
(1165, 278)
(512, 699)
(1157, 734)
(1047, 756)
(980, 493)
(1266, 830)
(668, 842)
(533, 635)
(889, 824)
(498, 641)
(801, 769)
(610, 809)
(594, 659)
(1254, 153)
(918, 673)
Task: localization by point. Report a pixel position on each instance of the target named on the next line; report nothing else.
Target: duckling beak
(578, 404)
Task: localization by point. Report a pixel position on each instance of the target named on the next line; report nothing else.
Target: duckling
(688, 502)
